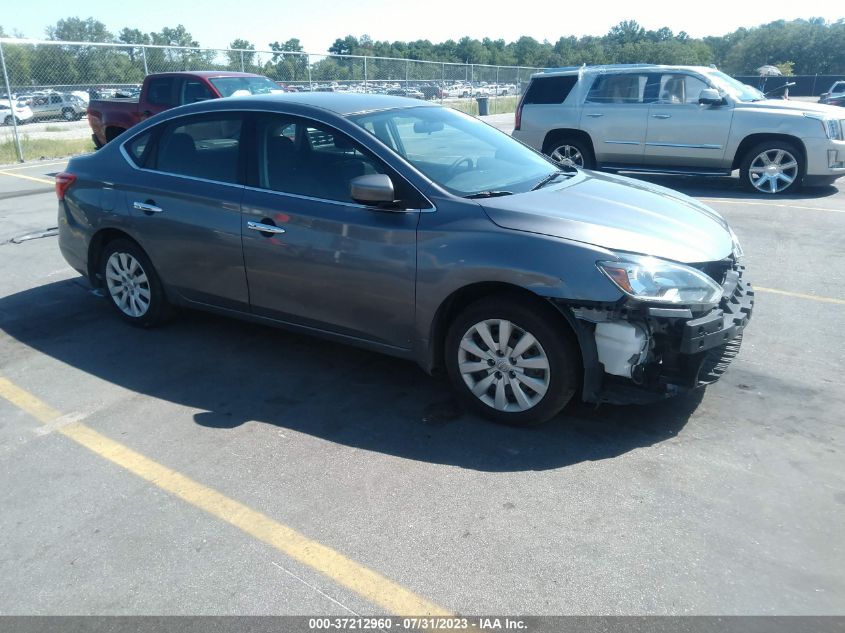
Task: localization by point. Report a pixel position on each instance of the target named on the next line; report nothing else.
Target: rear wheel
(132, 285)
(570, 152)
(772, 167)
(512, 362)
(69, 115)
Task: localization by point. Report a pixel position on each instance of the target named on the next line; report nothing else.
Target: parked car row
(680, 120)
(40, 106)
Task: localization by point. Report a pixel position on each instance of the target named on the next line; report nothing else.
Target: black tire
(69, 115)
(158, 309)
(557, 143)
(7, 120)
(771, 148)
(554, 338)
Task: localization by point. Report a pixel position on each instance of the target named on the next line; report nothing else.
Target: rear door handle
(264, 228)
(595, 115)
(661, 116)
(146, 207)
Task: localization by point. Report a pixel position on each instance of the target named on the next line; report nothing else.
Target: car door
(615, 115)
(185, 203)
(329, 263)
(681, 132)
(162, 93)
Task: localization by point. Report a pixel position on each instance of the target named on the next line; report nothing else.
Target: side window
(550, 89)
(194, 90)
(160, 91)
(679, 89)
(204, 146)
(55, 99)
(619, 88)
(139, 148)
(308, 159)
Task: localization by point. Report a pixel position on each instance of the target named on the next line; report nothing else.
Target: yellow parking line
(33, 178)
(34, 166)
(346, 572)
(768, 204)
(800, 295)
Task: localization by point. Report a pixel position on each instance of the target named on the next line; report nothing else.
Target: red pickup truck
(162, 91)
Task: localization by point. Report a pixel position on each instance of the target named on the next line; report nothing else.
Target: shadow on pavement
(237, 372)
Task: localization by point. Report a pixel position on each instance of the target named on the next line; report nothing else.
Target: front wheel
(512, 362)
(773, 167)
(132, 285)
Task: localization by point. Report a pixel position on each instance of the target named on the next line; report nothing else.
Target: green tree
(239, 58)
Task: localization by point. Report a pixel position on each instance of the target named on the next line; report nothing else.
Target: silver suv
(54, 105)
(682, 120)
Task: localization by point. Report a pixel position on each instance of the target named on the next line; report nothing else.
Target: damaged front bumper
(640, 353)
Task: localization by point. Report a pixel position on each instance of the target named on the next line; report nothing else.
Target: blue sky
(318, 22)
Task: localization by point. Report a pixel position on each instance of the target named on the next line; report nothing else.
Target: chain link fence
(37, 72)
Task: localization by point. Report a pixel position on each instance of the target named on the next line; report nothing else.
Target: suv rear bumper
(684, 353)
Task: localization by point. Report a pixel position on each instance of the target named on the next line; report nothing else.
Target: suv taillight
(518, 115)
(63, 181)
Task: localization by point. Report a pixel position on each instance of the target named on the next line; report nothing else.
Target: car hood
(620, 214)
(791, 106)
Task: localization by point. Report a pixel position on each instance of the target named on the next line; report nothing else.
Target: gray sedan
(416, 231)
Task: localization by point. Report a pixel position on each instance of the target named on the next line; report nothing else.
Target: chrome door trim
(684, 145)
(622, 142)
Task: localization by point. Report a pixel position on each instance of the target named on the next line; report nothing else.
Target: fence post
(11, 106)
(308, 66)
(366, 89)
(813, 91)
(407, 68)
(498, 88)
(242, 61)
(144, 56)
(442, 80)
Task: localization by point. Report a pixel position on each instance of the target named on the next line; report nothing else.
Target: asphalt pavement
(219, 467)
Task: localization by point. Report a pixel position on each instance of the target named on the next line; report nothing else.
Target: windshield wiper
(552, 176)
(489, 194)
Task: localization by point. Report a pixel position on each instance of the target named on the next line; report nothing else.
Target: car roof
(336, 102)
(203, 73)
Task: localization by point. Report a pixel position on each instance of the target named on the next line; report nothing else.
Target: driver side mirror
(710, 96)
(372, 189)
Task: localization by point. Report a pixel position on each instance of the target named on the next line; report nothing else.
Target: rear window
(550, 89)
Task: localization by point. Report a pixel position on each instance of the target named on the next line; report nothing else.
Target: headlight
(833, 129)
(737, 248)
(660, 281)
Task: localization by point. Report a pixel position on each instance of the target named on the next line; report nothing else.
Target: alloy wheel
(128, 284)
(504, 365)
(773, 170)
(568, 155)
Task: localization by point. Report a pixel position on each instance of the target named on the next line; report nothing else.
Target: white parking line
(769, 204)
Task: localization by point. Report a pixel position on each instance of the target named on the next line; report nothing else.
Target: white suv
(682, 120)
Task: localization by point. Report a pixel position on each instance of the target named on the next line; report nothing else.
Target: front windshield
(457, 151)
(736, 89)
(242, 86)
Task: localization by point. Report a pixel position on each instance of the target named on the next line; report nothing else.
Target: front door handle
(147, 207)
(661, 116)
(595, 115)
(264, 228)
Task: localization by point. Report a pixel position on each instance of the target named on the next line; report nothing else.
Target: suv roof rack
(597, 67)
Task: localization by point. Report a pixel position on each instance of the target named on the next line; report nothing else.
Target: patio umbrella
(769, 71)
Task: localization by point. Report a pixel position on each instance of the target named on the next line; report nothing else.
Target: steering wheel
(453, 168)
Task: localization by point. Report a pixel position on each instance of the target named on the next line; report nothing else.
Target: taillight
(518, 115)
(63, 181)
